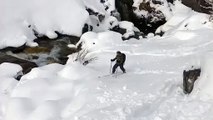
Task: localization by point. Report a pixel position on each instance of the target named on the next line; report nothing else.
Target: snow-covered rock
(150, 14)
(189, 78)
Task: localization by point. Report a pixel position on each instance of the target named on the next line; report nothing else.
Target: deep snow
(150, 90)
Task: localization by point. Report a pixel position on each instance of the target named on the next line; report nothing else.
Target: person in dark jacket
(120, 60)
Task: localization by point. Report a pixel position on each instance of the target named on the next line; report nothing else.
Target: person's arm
(114, 59)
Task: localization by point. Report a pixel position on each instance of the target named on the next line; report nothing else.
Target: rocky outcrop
(189, 78)
(199, 5)
(151, 18)
(124, 7)
(86, 28)
(148, 22)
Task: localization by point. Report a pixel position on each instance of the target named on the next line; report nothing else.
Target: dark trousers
(120, 65)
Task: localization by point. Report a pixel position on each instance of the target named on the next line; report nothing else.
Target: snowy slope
(150, 90)
(8, 72)
(20, 18)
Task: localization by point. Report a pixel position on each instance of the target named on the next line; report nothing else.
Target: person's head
(118, 52)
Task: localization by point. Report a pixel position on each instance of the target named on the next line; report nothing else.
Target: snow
(184, 19)
(104, 8)
(20, 18)
(129, 28)
(127, 25)
(97, 6)
(180, 13)
(150, 90)
(8, 72)
(108, 23)
(204, 87)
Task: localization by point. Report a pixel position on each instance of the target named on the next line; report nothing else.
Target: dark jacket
(120, 58)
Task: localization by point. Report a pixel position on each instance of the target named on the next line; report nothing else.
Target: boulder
(189, 78)
(124, 7)
(128, 31)
(86, 28)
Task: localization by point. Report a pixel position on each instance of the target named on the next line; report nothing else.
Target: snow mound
(184, 19)
(8, 72)
(20, 18)
(204, 85)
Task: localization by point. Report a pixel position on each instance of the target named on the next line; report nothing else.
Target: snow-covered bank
(8, 73)
(204, 86)
(20, 18)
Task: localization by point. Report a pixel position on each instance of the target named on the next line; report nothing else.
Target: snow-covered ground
(150, 90)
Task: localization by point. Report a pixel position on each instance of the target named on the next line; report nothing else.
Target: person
(120, 60)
